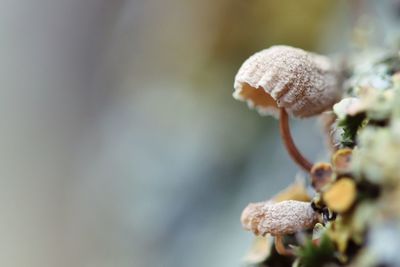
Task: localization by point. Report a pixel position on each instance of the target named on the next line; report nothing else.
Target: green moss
(311, 255)
(350, 126)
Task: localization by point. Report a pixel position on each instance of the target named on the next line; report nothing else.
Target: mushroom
(279, 219)
(283, 79)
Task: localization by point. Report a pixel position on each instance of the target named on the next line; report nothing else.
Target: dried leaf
(260, 250)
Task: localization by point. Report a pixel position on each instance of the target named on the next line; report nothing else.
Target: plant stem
(289, 144)
(280, 247)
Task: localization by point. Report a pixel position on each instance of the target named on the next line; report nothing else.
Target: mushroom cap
(286, 217)
(303, 83)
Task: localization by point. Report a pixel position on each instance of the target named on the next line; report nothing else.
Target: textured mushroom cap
(286, 217)
(303, 83)
(252, 216)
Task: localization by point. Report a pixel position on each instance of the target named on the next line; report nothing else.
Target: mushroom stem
(280, 247)
(289, 144)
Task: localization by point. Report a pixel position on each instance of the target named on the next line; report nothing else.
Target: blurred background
(121, 144)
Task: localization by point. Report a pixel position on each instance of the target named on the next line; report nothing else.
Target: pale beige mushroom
(278, 219)
(284, 79)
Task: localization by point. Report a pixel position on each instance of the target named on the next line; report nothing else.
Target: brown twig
(288, 141)
(280, 247)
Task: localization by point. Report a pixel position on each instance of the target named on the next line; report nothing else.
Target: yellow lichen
(341, 195)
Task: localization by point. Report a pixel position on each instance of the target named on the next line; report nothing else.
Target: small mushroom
(279, 219)
(284, 79)
(282, 218)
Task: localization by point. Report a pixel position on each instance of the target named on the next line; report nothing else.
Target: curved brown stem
(289, 144)
(280, 247)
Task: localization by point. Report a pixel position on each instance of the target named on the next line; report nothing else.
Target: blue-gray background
(120, 142)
